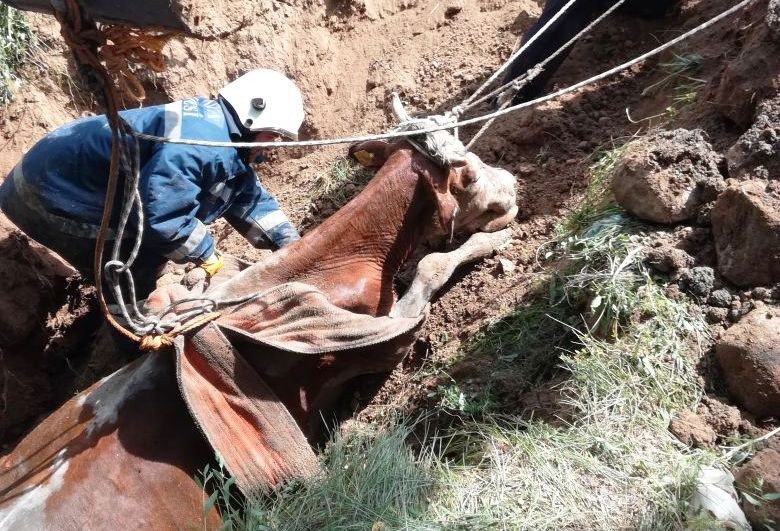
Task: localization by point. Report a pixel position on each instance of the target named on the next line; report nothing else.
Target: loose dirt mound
(32, 287)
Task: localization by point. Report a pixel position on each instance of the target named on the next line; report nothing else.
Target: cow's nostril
(498, 208)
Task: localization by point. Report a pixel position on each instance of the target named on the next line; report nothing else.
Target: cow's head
(470, 195)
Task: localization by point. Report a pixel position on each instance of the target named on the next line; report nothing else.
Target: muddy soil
(348, 56)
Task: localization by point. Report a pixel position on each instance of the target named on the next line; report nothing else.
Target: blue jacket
(183, 188)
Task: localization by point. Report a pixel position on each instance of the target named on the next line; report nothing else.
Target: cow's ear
(438, 184)
(371, 153)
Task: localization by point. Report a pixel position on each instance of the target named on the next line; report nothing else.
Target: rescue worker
(55, 194)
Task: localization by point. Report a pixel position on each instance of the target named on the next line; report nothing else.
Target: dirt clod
(667, 177)
(746, 229)
(757, 152)
(668, 259)
(749, 354)
(759, 477)
(716, 315)
(723, 418)
(692, 430)
(720, 298)
(698, 281)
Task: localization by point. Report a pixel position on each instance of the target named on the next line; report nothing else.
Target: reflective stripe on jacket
(183, 188)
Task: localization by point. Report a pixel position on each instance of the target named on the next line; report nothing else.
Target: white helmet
(265, 100)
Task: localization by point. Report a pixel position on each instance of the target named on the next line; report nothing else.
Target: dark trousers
(78, 250)
(579, 15)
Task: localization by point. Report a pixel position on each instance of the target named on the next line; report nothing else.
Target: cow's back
(120, 455)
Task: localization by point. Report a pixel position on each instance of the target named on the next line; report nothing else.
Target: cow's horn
(398, 109)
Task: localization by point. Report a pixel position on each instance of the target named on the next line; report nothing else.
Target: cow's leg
(435, 270)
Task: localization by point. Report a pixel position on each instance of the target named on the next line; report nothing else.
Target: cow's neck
(353, 255)
(381, 226)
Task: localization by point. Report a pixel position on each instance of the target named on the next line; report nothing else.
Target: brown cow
(124, 452)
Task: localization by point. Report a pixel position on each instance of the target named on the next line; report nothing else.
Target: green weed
(678, 69)
(597, 202)
(455, 398)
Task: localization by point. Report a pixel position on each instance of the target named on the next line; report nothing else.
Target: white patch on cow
(81, 399)
(26, 511)
(350, 291)
(108, 398)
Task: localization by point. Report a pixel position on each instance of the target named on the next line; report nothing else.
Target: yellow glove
(213, 263)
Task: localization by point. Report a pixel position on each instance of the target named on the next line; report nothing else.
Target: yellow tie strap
(159, 341)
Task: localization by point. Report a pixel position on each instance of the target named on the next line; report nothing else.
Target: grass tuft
(679, 70)
(370, 480)
(16, 40)
(597, 201)
(343, 180)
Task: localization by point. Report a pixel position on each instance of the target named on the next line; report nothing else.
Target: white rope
(116, 269)
(470, 121)
(486, 125)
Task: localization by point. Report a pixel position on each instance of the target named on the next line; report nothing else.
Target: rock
(720, 298)
(749, 354)
(760, 294)
(751, 76)
(452, 8)
(746, 230)
(757, 152)
(715, 495)
(698, 281)
(692, 430)
(506, 266)
(667, 177)
(716, 315)
(759, 477)
(667, 259)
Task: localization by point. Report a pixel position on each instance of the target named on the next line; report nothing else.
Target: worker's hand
(213, 263)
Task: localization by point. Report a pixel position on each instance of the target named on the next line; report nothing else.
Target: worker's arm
(169, 190)
(257, 216)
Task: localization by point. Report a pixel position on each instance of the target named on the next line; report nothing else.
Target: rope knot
(155, 342)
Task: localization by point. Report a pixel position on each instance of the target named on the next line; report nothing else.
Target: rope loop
(113, 268)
